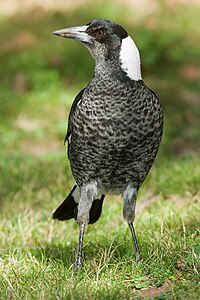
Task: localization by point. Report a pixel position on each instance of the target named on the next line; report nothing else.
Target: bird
(114, 130)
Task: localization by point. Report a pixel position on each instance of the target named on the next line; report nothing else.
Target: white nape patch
(130, 59)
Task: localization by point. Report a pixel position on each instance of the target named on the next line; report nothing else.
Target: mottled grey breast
(116, 128)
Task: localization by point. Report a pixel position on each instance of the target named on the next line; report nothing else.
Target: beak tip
(76, 33)
(55, 32)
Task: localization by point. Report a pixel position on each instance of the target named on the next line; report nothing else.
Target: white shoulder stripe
(130, 59)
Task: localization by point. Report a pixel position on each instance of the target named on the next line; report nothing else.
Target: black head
(107, 32)
(108, 42)
(96, 35)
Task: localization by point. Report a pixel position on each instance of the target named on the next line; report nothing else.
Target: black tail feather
(67, 209)
(95, 211)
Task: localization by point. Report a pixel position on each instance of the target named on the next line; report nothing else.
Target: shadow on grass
(154, 250)
(109, 251)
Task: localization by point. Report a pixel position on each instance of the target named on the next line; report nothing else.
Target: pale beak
(77, 33)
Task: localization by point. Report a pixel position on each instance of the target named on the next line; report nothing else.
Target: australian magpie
(114, 129)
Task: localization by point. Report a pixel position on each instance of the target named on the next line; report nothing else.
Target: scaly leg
(129, 197)
(79, 259)
(135, 244)
(88, 192)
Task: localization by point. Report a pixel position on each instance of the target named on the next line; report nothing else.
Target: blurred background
(40, 75)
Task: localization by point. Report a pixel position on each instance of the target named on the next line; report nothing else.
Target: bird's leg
(88, 192)
(135, 244)
(79, 259)
(129, 197)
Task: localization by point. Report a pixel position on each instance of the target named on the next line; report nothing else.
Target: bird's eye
(100, 32)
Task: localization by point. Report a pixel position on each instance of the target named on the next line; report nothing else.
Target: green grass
(37, 254)
(39, 78)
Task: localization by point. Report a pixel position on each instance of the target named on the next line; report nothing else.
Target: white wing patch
(130, 59)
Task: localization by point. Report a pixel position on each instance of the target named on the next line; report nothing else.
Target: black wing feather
(72, 110)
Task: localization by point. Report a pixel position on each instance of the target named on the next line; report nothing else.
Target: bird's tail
(69, 207)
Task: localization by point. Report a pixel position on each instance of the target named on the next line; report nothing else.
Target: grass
(38, 80)
(37, 253)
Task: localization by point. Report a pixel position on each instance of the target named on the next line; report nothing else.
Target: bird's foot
(138, 258)
(78, 264)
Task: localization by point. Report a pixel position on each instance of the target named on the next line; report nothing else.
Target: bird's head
(107, 40)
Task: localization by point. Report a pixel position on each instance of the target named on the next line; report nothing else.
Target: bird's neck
(126, 61)
(106, 67)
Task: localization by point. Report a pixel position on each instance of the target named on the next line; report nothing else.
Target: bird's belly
(112, 163)
(114, 144)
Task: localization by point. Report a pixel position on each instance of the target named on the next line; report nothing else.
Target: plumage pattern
(116, 130)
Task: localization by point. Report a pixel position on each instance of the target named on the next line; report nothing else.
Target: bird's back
(116, 129)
